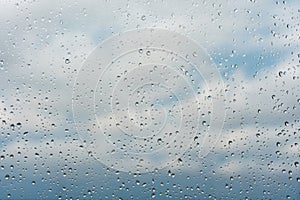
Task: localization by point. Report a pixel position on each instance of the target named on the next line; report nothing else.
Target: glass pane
(149, 99)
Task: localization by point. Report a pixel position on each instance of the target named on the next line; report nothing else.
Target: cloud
(45, 44)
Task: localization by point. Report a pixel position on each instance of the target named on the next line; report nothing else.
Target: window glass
(155, 99)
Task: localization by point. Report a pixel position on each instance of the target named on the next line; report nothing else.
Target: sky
(252, 47)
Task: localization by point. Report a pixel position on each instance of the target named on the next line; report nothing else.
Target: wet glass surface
(149, 99)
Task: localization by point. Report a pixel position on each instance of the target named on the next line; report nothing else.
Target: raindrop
(159, 140)
(67, 61)
(286, 123)
(153, 195)
(179, 160)
(6, 176)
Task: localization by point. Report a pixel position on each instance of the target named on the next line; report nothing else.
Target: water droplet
(6, 176)
(273, 96)
(259, 111)
(278, 144)
(153, 195)
(159, 140)
(67, 61)
(179, 160)
(286, 123)
(1, 64)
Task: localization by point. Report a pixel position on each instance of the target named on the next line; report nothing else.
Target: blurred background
(255, 47)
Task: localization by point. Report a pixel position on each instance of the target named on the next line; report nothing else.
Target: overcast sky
(255, 48)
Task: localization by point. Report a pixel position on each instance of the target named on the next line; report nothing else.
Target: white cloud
(250, 106)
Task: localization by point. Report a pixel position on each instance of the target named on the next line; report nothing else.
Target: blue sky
(255, 47)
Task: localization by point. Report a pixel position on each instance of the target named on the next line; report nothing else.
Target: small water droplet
(6, 176)
(67, 61)
(159, 140)
(259, 111)
(179, 160)
(278, 144)
(286, 123)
